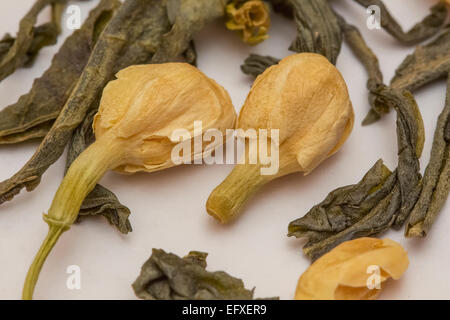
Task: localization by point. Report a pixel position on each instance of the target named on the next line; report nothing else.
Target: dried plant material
(318, 29)
(138, 114)
(132, 37)
(20, 51)
(426, 64)
(166, 276)
(34, 113)
(255, 64)
(313, 122)
(251, 18)
(99, 201)
(381, 200)
(343, 273)
(423, 30)
(284, 7)
(186, 17)
(436, 184)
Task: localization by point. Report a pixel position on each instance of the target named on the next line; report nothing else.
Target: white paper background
(168, 207)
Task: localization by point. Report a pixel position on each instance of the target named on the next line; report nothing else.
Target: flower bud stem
(80, 179)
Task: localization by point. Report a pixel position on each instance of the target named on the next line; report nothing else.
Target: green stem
(227, 199)
(81, 178)
(53, 235)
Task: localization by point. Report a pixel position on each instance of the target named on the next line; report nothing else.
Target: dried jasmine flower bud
(134, 126)
(354, 270)
(304, 100)
(250, 18)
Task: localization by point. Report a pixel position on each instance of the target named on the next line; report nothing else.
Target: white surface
(168, 207)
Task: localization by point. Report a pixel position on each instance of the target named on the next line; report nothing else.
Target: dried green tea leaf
(283, 7)
(133, 36)
(166, 276)
(380, 200)
(423, 30)
(318, 29)
(34, 113)
(426, 64)
(99, 201)
(370, 62)
(255, 64)
(436, 184)
(186, 17)
(344, 206)
(20, 51)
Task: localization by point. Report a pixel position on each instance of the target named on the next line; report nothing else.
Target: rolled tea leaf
(33, 114)
(283, 7)
(99, 201)
(426, 64)
(370, 62)
(318, 29)
(423, 30)
(380, 200)
(436, 184)
(255, 64)
(20, 51)
(166, 276)
(186, 18)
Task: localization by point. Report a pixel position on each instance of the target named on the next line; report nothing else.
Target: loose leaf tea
(380, 200)
(426, 64)
(423, 30)
(255, 64)
(166, 276)
(99, 201)
(436, 184)
(20, 51)
(134, 126)
(33, 114)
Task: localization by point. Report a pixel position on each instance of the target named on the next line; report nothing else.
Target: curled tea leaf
(166, 276)
(255, 64)
(426, 64)
(318, 29)
(251, 18)
(423, 30)
(343, 273)
(359, 211)
(20, 51)
(436, 181)
(34, 113)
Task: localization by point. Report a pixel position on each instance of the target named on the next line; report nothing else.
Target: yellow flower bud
(306, 99)
(354, 270)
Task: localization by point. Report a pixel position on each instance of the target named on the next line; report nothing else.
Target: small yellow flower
(251, 19)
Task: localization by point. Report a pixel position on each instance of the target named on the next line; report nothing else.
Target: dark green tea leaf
(255, 64)
(166, 276)
(99, 201)
(426, 64)
(423, 30)
(34, 113)
(380, 200)
(20, 51)
(436, 181)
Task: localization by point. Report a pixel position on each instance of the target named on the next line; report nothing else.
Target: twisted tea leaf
(423, 30)
(380, 200)
(283, 7)
(22, 50)
(318, 29)
(34, 113)
(436, 181)
(99, 201)
(255, 64)
(425, 65)
(165, 276)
